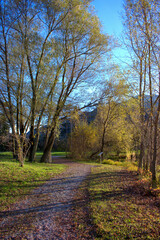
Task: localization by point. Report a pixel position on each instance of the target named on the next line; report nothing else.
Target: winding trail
(56, 210)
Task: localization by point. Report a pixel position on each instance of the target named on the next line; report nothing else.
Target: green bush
(111, 162)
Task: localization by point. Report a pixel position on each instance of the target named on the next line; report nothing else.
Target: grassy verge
(119, 212)
(17, 182)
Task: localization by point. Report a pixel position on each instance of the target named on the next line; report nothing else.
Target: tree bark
(46, 157)
(102, 143)
(153, 164)
(140, 163)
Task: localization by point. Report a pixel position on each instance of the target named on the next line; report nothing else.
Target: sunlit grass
(63, 154)
(16, 182)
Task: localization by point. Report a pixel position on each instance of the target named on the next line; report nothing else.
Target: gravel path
(56, 210)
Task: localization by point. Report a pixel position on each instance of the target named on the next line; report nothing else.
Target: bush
(82, 140)
(128, 165)
(111, 162)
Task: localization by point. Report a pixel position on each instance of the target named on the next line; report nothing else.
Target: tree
(142, 28)
(83, 47)
(7, 91)
(47, 50)
(83, 136)
(109, 110)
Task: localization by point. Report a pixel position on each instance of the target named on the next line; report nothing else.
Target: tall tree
(109, 110)
(142, 27)
(83, 45)
(47, 50)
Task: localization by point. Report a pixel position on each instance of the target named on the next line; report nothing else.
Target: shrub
(128, 165)
(111, 162)
(82, 140)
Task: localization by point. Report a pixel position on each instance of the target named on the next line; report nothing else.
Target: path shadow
(65, 184)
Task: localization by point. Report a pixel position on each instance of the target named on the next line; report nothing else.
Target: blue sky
(109, 13)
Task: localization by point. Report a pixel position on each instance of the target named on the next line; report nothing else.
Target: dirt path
(57, 210)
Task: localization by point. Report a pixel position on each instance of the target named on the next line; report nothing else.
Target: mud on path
(56, 210)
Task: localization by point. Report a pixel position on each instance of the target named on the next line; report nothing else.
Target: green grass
(39, 154)
(6, 156)
(16, 182)
(116, 213)
(63, 154)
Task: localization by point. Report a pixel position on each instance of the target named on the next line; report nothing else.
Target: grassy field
(17, 182)
(119, 210)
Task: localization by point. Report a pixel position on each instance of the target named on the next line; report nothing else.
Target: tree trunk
(47, 133)
(19, 150)
(153, 163)
(34, 148)
(140, 163)
(46, 138)
(31, 139)
(46, 157)
(14, 148)
(141, 156)
(147, 159)
(93, 154)
(102, 142)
